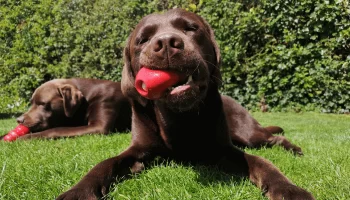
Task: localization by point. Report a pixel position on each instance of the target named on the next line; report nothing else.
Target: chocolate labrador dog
(74, 107)
(191, 122)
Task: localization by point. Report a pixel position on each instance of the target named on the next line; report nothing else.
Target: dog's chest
(188, 134)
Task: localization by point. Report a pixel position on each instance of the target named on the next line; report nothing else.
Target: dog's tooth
(189, 79)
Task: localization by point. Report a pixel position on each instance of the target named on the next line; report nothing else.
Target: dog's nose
(20, 119)
(167, 45)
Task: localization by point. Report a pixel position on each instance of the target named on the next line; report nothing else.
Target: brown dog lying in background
(191, 122)
(74, 107)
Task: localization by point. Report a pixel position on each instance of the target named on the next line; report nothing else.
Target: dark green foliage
(294, 53)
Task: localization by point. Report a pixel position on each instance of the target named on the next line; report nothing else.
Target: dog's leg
(266, 138)
(95, 184)
(282, 141)
(274, 130)
(65, 132)
(263, 174)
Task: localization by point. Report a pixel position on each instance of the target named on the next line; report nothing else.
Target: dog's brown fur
(195, 124)
(74, 107)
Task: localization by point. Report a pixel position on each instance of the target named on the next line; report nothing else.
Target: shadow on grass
(207, 174)
(9, 115)
(211, 174)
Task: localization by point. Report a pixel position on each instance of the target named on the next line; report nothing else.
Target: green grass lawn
(41, 169)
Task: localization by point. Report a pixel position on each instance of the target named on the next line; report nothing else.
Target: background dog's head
(51, 104)
(179, 41)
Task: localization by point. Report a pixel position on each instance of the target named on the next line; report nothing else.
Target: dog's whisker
(218, 79)
(212, 64)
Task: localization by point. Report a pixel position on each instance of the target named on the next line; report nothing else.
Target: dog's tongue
(16, 132)
(152, 84)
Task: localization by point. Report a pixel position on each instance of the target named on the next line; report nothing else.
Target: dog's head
(178, 41)
(51, 105)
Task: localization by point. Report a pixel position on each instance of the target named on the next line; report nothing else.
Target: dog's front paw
(77, 194)
(289, 192)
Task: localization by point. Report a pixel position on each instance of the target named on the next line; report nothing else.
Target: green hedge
(295, 54)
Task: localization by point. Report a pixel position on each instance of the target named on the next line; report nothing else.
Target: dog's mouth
(186, 95)
(181, 86)
(34, 127)
(156, 84)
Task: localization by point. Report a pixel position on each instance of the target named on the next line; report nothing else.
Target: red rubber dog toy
(16, 132)
(152, 84)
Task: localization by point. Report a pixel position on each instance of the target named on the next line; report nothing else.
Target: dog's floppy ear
(128, 78)
(72, 98)
(215, 73)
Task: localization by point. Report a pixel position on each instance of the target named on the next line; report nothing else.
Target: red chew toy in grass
(16, 132)
(153, 83)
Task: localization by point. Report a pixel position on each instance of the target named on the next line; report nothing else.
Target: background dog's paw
(289, 192)
(297, 151)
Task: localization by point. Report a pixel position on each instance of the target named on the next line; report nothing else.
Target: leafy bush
(295, 54)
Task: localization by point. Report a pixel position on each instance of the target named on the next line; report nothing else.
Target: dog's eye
(191, 28)
(41, 103)
(146, 33)
(141, 41)
(44, 105)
